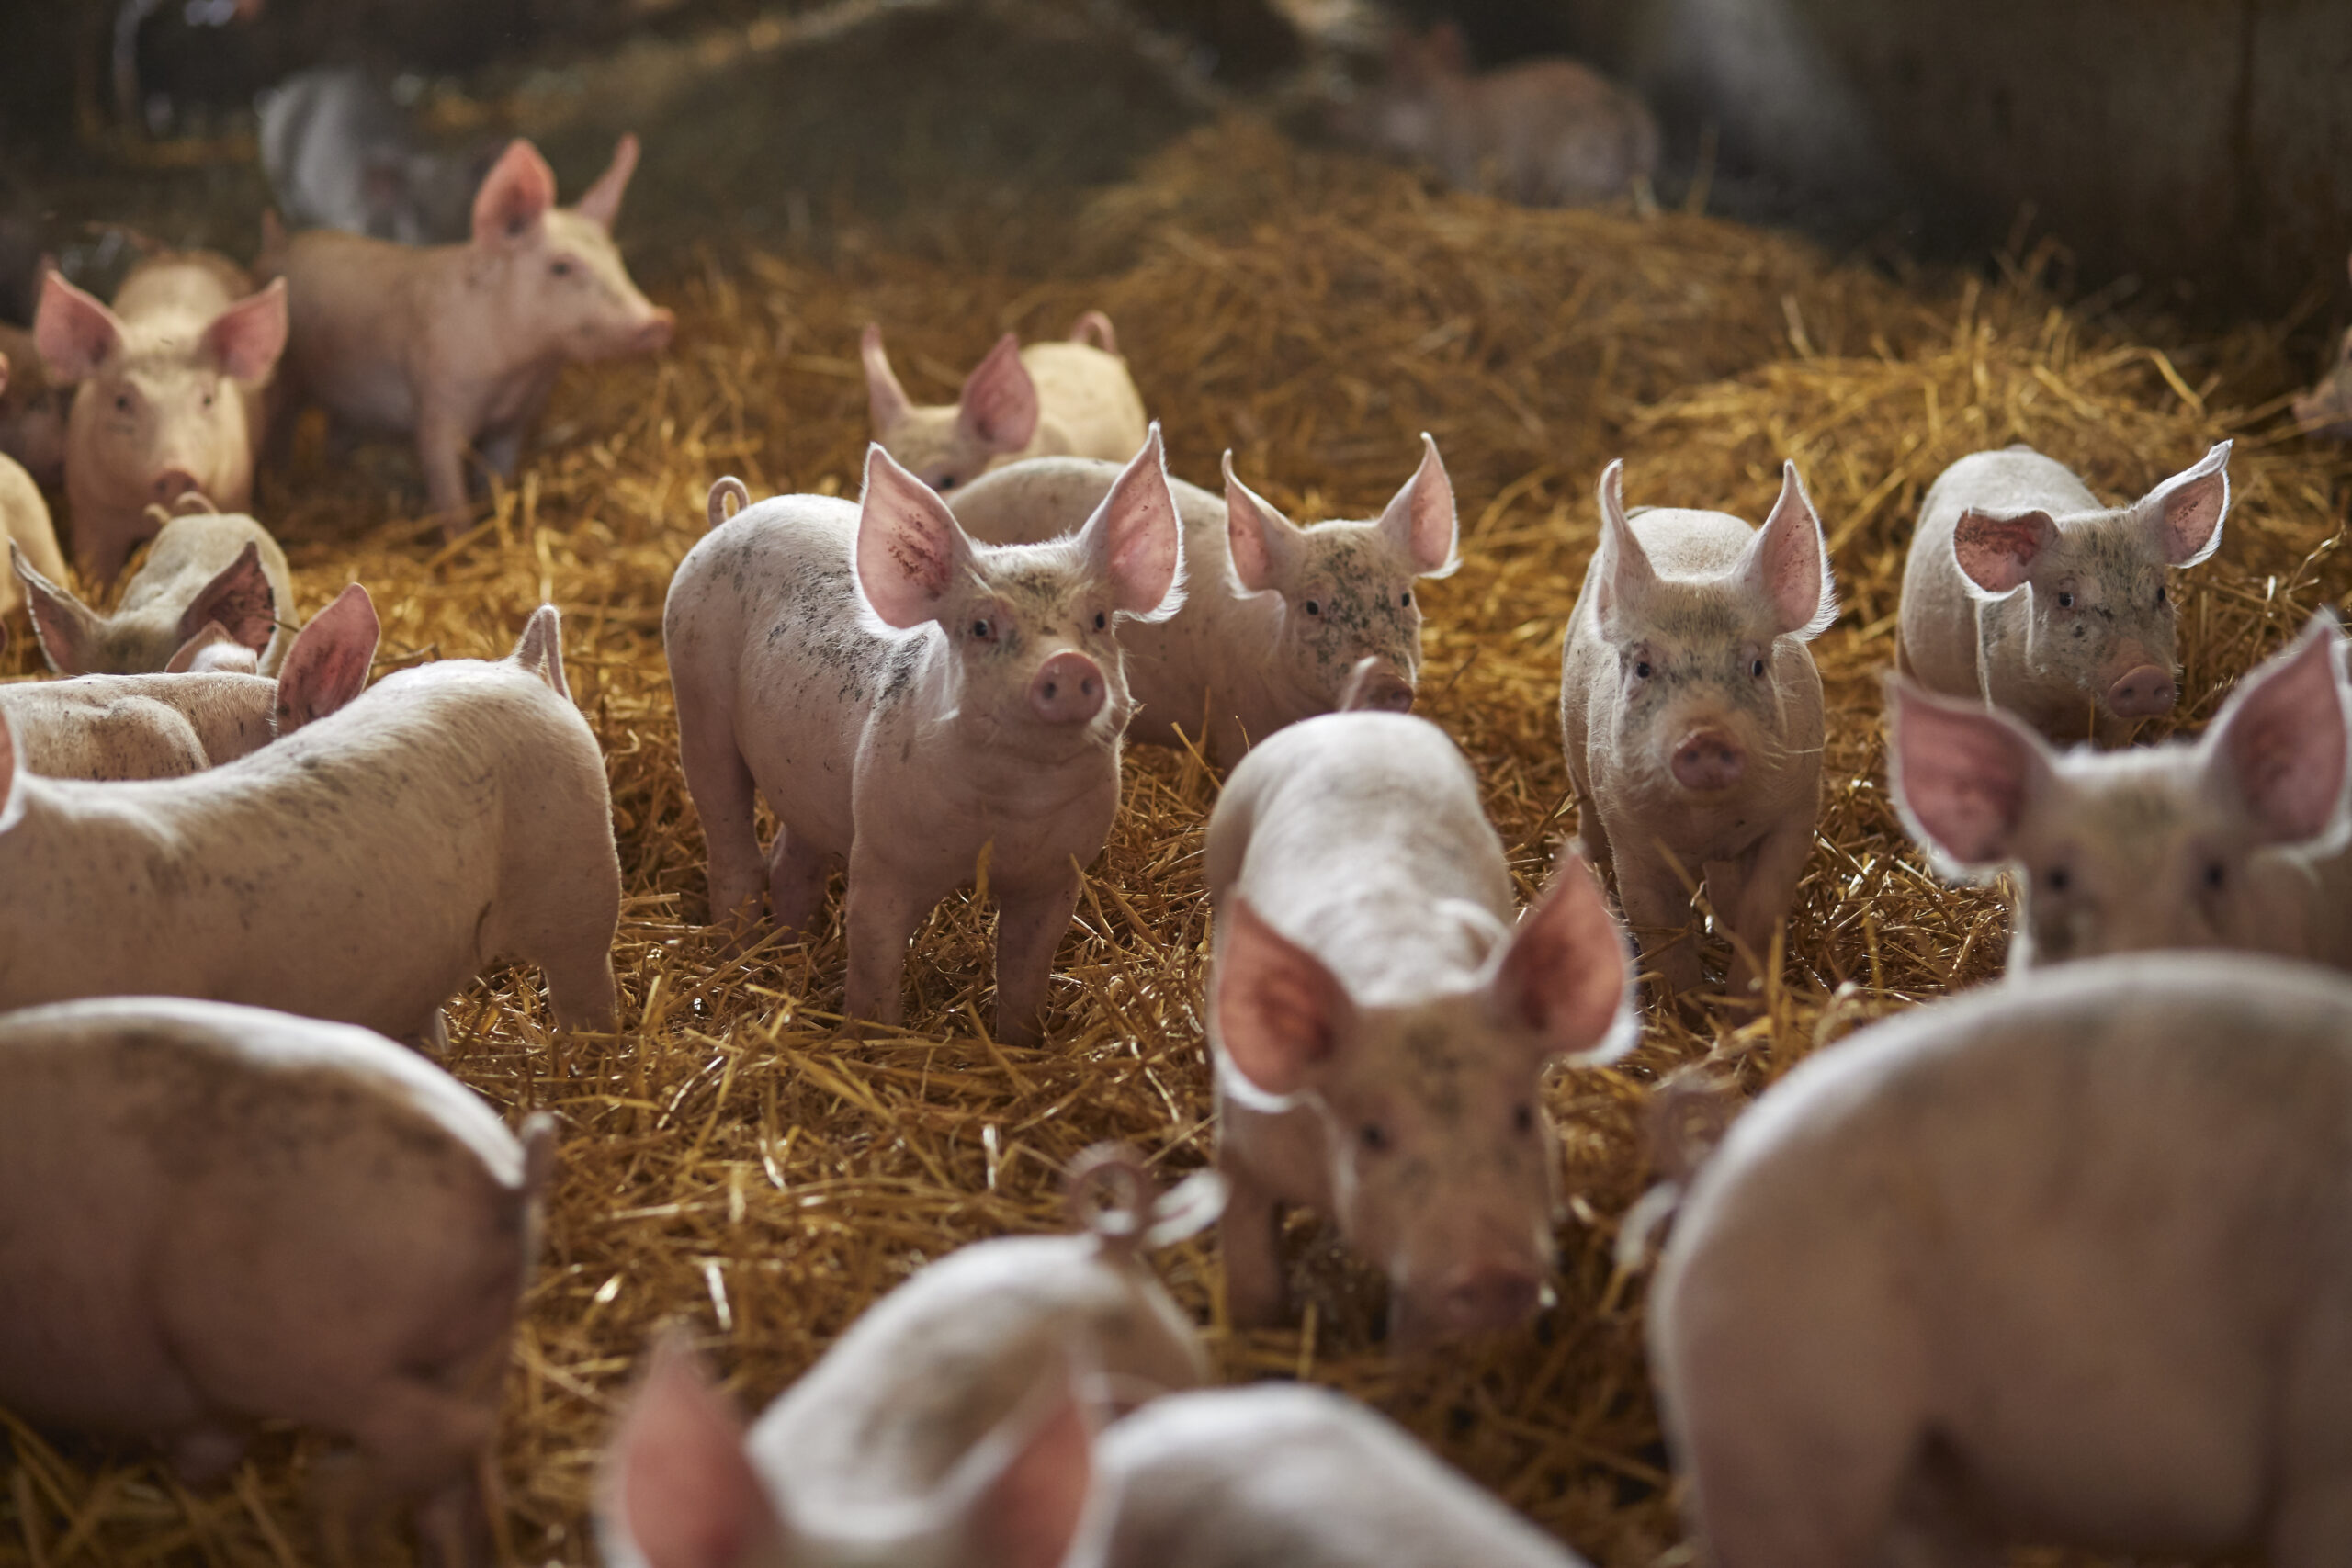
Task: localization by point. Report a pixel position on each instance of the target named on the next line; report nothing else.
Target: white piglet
(1381, 1027)
(2066, 1263)
(206, 568)
(1691, 712)
(1071, 399)
(1276, 616)
(910, 701)
(360, 870)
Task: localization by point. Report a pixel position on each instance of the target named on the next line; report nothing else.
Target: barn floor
(730, 1162)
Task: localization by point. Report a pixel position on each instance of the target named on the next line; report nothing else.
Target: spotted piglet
(1381, 1028)
(1691, 711)
(916, 703)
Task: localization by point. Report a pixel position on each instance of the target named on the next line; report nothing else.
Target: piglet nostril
(1708, 760)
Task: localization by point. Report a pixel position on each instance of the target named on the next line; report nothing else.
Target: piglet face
(1348, 590)
(947, 446)
(563, 286)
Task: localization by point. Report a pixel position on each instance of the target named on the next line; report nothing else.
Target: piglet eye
(2065, 601)
(1642, 669)
(2161, 597)
(1756, 667)
(981, 630)
(1101, 620)
(561, 268)
(1375, 1138)
(1314, 607)
(1406, 598)
(943, 483)
(2058, 879)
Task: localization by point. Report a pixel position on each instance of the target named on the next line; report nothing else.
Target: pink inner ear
(1248, 522)
(998, 406)
(515, 196)
(685, 1486)
(907, 543)
(241, 599)
(1997, 553)
(2189, 521)
(61, 625)
(1793, 559)
(2283, 736)
(1420, 520)
(328, 664)
(602, 204)
(1565, 973)
(74, 333)
(1278, 1008)
(1622, 565)
(1140, 512)
(1962, 775)
(246, 339)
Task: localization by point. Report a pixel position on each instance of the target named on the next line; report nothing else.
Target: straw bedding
(730, 1163)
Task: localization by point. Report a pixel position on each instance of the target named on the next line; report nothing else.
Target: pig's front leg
(1751, 897)
(1250, 1240)
(1658, 906)
(441, 452)
(501, 448)
(884, 906)
(1029, 921)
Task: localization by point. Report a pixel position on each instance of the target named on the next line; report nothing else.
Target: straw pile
(730, 1163)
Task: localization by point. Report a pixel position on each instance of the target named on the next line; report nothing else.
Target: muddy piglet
(1691, 712)
(217, 1216)
(1072, 398)
(944, 1429)
(2236, 840)
(207, 569)
(1381, 1028)
(917, 704)
(171, 395)
(2023, 591)
(362, 869)
(2066, 1263)
(460, 346)
(161, 727)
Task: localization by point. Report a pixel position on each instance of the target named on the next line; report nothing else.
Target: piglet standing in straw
(1691, 712)
(360, 870)
(2023, 591)
(180, 722)
(206, 568)
(460, 346)
(1071, 399)
(916, 703)
(2067, 1262)
(944, 1429)
(1381, 1028)
(213, 1216)
(2236, 840)
(171, 398)
(1276, 616)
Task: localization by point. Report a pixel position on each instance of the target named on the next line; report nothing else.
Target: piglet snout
(1387, 692)
(1708, 760)
(654, 335)
(1485, 1297)
(1067, 690)
(170, 485)
(2141, 691)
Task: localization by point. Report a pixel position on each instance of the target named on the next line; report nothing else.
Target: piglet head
(557, 279)
(1029, 627)
(680, 1489)
(1444, 1167)
(2131, 850)
(949, 446)
(1347, 589)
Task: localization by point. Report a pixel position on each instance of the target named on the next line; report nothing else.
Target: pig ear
(1281, 1014)
(1420, 522)
(1564, 975)
(1027, 1513)
(2186, 511)
(63, 625)
(515, 196)
(12, 775)
(240, 598)
(74, 332)
(1619, 576)
(245, 339)
(540, 648)
(1788, 563)
(886, 401)
(602, 204)
(1996, 551)
(328, 664)
(1963, 775)
(1134, 540)
(1266, 547)
(678, 1488)
(999, 404)
(910, 550)
(2281, 742)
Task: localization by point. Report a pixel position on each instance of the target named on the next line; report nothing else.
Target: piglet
(339, 153)
(1550, 132)
(1070, 398)
(2067, 1262)
(917, 704)
(458, 346)
(2236, 840)
(32, 410)
(217, 1216)
(2325, 411)
(1691, 712)
(1282, 1476)
(171, 394)
(360, 870)
(206, 567)
(942, 1429)
(24, 522)
(2023, 591)
(161, 726)
(1276, 616)
(1381, 1028)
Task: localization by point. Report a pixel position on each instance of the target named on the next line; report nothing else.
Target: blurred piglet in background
(2326, 409)
(33, 409)
(24, 512)
(207, 569)
(340, 153)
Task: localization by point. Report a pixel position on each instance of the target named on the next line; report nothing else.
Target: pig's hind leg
(796, 880)
(719, 782)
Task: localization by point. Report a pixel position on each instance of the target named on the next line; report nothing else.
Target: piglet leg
(1249, 1238)
(1029, 926)
(882, 910)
